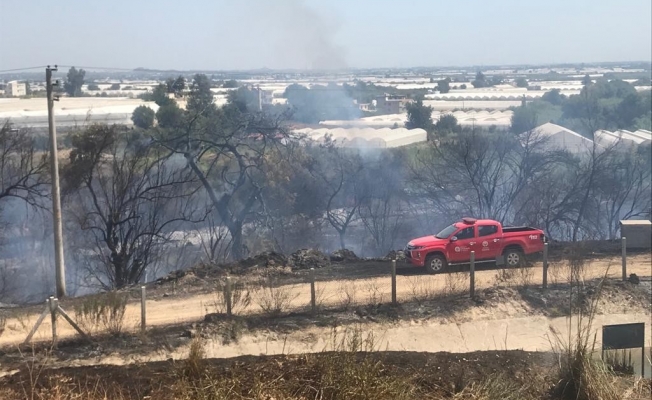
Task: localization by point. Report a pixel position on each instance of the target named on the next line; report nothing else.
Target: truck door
(460, 249)
(489, 242)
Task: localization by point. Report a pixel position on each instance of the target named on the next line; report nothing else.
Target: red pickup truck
(487, 238)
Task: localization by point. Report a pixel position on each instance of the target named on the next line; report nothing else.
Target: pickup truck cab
(487, 238)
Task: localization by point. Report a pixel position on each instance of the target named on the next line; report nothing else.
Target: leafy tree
(586, 81)
(143, 117)
(176, 86)
(522, 83)
(230, 84)
(226, 150)
(169, 115)
(553, 97)
(201, 97)
(115, 86)
(444, 85)
(74, 81)
(159, 95)
(463, 86)
(28, 88)
(419, 116)
(480, 80)
(93, 87)
(244, 99)
(446, 124)
(524, 120)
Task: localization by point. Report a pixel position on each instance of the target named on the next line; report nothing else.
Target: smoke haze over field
(222, 34)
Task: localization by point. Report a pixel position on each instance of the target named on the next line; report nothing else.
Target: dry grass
(456, 283)
(496, 387)
(273, 299)
(581, 377)
(194, 365)
(505, 276)
(103, 312)
(422, 289)
(524, 276)
(619, 361)
(320, 297)
(374, 293)
(558, 273)
(239, 293)
(347, 295)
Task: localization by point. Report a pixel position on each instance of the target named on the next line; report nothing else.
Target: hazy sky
(245, 34)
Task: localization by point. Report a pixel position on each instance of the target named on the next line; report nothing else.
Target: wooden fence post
(545, 265)
(143, 309)
(394, 282)
(53, 316)
(313, 299)
(624, 250)
(472, 268)
(228, 296)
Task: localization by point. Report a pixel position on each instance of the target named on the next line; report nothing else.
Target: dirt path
(171, 310)
(528, 334)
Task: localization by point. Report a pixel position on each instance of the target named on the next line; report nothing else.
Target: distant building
(15, 89)
(391, 104)
(265, 97)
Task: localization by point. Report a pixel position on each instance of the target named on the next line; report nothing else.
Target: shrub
(274, 300)
(240, 296)
(104, 312)
(143, 117)
(580, 376)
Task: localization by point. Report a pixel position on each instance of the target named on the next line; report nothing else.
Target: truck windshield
(444, 234)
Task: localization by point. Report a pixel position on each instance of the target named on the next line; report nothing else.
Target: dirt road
(171, 310)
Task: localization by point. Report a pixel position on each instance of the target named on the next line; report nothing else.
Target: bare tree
(382, 211)
(23, 169)
(479, 174)
(130, 195)
(624, 186)
(341, 171)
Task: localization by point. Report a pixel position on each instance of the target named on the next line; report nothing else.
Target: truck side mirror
(454, 239)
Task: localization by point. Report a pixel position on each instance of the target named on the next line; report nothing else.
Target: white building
(16, 89)
(624, 137)
(465, 118)
(366, 137)
(560, 138)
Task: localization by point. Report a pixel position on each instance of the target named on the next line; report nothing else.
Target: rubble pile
(264, 260)
(397, 255)
(308, 258)
(344, 255)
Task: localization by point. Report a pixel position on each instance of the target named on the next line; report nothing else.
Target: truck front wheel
(435, 263)
(514, 258)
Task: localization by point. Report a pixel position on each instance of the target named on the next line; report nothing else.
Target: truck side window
(466, 233)
(486, 230)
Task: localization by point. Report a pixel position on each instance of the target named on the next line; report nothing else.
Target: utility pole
(56, 191)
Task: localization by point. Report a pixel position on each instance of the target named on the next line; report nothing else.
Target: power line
(22, 69)
(104, 68)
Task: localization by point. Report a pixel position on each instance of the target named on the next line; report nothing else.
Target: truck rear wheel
(514, 257)
(435, 263)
